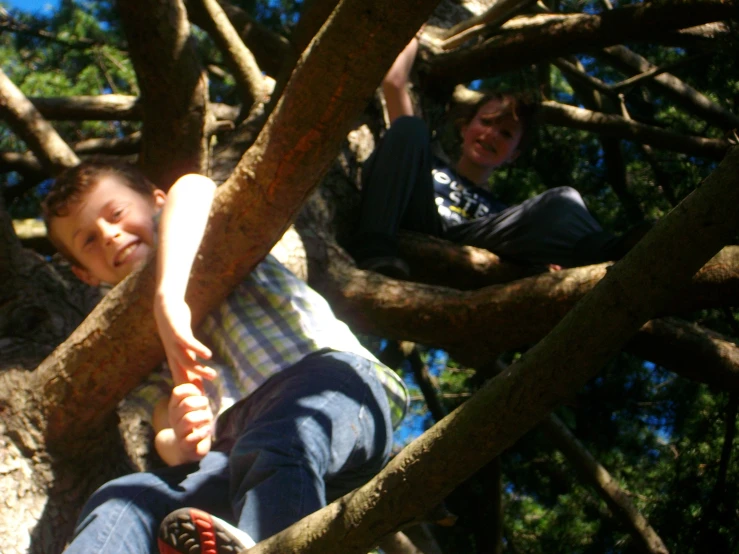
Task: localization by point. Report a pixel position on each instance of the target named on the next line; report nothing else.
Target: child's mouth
(123, 254)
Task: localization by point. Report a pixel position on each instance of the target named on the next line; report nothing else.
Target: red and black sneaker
(193, 531)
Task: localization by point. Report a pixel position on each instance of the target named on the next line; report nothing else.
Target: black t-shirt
(458, 199)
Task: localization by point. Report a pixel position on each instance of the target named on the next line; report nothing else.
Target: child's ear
(160, 197)
(85, 276)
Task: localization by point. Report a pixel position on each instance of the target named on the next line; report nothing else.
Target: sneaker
(193, 531)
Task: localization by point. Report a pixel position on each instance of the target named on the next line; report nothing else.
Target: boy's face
(491, 138)
(109, 231)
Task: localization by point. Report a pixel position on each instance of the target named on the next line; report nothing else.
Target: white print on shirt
(455, 202)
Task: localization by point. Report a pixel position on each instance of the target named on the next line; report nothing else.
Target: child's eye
(117, 213)
(89, 239)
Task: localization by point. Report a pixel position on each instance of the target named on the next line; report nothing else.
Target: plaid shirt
(269, 323)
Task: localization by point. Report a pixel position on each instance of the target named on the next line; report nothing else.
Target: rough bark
(314, 15)
(513, 402)
(529, 40)
(175, 113)
(53, 153)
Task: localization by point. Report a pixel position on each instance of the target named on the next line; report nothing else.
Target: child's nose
(109, 231)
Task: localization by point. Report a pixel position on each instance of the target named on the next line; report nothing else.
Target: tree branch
(108, 107)
(314, 15)
(500, 12)
(686, 96)
(27, 122)
(269, 48)
(554, 113)
(529, 40)
(591, 472)
(616, 174)
(175, 114)
(689, 350)
(243, 66)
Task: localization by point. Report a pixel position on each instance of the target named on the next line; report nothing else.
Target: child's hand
(191, 419)
(181, 347)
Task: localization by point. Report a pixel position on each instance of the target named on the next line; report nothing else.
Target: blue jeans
(310, 434)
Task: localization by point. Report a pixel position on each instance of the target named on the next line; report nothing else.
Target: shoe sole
(193, 531)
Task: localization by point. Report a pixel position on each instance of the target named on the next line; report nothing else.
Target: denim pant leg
(310, 434)
(123, 516)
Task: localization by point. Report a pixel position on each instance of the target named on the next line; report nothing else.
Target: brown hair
(74, 183)
(522, 106)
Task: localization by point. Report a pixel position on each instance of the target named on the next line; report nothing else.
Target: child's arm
(181, 229)
(395, 83)
(183, 425)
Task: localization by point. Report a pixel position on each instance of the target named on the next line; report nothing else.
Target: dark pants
(398, 193)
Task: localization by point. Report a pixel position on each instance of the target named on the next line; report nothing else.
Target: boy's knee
(563, 195)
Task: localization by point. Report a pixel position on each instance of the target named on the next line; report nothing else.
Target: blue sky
(33, 6)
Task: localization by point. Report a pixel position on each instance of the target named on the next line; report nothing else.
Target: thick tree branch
(591, 472)
(454, 320)
(175, 113)
(515, 401)
(436, 261)
(314, 15)
(554, 113)
(529, 40)
(239, 58)
(689, 350)
(27, 122)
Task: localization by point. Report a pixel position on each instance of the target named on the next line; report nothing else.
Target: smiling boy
(304, 412)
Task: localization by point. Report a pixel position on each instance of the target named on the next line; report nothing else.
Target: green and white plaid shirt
(269, 323)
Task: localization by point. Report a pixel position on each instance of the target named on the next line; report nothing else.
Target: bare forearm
(395, 83)
(182, 226)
